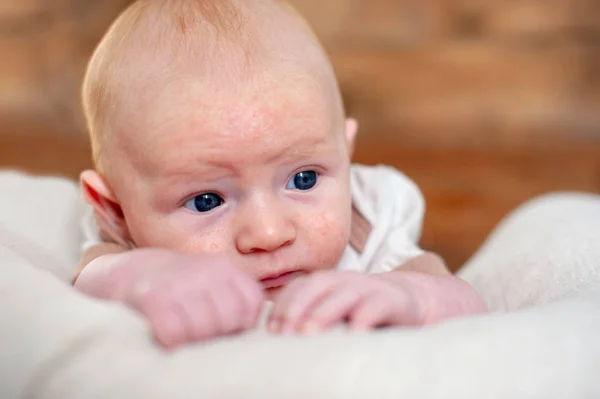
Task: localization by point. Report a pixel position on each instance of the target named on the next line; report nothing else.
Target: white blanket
(59, 344)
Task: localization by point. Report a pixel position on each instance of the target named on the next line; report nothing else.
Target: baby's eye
(204, 202)
(302, 181)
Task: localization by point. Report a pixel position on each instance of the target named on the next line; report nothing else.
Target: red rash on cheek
(322, 225)
(203, 242)
(328, 236)
(175, 234)
(215, 247)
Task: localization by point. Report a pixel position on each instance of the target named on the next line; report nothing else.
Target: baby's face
(260, 174)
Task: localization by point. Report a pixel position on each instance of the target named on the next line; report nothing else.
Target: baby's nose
(264, 229)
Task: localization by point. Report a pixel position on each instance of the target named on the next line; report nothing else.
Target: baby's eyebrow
(172, 185)
(205, 173)
(299, 149)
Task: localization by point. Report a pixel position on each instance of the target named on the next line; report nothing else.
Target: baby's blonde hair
(169, 29)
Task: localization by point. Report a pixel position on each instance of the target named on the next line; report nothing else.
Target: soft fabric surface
(56, 343)
(546, 250)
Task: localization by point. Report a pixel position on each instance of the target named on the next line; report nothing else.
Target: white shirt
(394, 206)
(386, 198)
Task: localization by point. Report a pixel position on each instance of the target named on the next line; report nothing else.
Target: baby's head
(217, 126)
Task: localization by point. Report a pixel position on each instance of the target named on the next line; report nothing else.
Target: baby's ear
(108, 212)
(351, 130)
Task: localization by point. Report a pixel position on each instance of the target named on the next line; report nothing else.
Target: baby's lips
(281, 279)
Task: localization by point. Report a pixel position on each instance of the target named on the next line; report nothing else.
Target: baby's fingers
(168, 326)
(299, 299)
(251, 295)
(278, 312)
(333, 309)
(198, 317)
(236, 305)
(373, 312)
(381, 310)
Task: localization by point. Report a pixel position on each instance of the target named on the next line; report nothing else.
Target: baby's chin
(272, 293)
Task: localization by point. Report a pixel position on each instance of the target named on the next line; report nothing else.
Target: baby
(223, 179)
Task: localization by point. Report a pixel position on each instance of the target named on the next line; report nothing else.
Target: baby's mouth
(281, 279)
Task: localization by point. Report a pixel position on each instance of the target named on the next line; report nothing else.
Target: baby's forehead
(224, 85)
(187, 120)
(263, 96)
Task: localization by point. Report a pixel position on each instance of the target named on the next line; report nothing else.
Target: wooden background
(484, 103)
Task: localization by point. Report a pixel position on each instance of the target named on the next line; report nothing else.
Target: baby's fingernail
(311, 328)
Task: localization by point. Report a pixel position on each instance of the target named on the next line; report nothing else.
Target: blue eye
(204, 202)
(302, 181)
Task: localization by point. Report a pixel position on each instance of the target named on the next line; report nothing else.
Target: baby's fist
(189, 298)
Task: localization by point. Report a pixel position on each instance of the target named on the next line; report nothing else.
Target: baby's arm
(186, 298)
(94, 252)
(428, 263)
(437, 291)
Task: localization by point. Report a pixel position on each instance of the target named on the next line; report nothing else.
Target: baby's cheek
(328, 237)
(321, 225)
(202, 242)
(165, 233)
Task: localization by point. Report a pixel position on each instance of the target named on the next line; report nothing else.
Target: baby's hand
(321, 300)
(186, 298)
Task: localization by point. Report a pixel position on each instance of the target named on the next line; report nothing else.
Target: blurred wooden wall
(484, 103)
(45, 46)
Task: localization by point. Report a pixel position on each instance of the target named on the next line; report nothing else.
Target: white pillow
(43, 213)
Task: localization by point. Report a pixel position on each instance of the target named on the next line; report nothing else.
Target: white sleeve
(395, 207)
